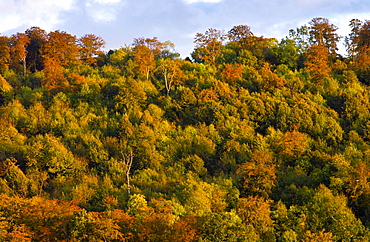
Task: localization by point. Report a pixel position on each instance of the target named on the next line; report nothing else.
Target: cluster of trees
(252, 139)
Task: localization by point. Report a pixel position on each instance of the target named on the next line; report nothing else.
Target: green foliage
(137, 206)
(330, 212)
(81, 225)
(11, 141)
(5, 91)
(49, 154)
(226, 226)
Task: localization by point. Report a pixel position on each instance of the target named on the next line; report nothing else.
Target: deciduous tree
(232, 73)
(127, 160)
(331, 213)
(61, 48)
(4, 53)
(154, 45)
(352, 41)
(255, 211)
(239, 33)
(270, 80)
(38, 38)
(144, 60)
(226, 226)
(18, 52)
(317, 63)
(257, 176)
(172, 73)
(59, 52)
(90, 48)
(208, 45)
(323, 33)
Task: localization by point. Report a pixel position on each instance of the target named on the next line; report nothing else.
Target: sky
(118, 22)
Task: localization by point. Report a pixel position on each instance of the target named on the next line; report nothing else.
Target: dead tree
(127, 163)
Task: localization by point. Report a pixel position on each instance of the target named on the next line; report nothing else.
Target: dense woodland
(250, 139)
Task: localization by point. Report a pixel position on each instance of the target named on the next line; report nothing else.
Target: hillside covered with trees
(250, 139)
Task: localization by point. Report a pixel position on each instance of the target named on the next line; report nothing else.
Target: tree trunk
(127, 161)
(24, 67)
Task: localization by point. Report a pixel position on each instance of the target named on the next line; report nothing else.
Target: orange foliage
(105, 228)
(270, 80)
(362, 60)
(185, 229)
(42, 219)
(54, 77)
(90, 46)
(317, 63)
(207, 95)
(172, 74)
(209, 44)
(144, 59)
(255, 211)
(257, 175)
(4, 53)
(61, 49)
(293, 144)
(76, 80)
(358, 180)
(127, 223)
(154, 45)
(256, 45)
(155, 227)
(20, 234)
(232, 73)
(322, 33)
(18, 51)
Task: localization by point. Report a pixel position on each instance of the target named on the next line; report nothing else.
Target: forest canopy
(249, 139)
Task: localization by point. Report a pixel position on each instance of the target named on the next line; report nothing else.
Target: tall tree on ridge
(358, 46)
(323, 33)
(38, 38)
(59, 52)
(208, 45)
(144, 59)
(18, 51)
(62, 48)
(239, 33)
(90, 47)
(317, 63)
(352, 40)
(4, 53)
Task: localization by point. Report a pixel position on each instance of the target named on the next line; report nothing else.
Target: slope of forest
(251, 139)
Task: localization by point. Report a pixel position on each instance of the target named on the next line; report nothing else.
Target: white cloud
(104, 10)
(205, 1)
(103, 15)
(107, 1)
(28, 13)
